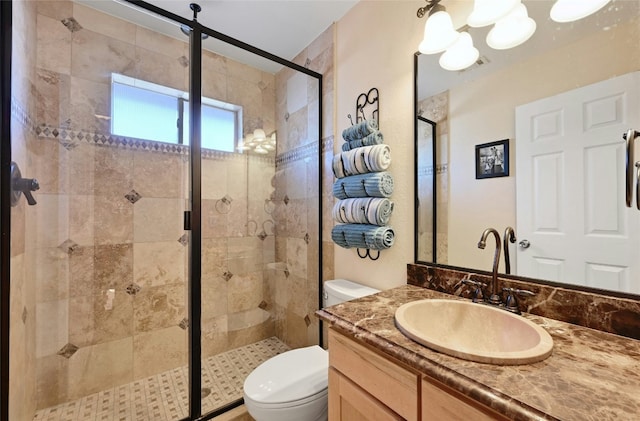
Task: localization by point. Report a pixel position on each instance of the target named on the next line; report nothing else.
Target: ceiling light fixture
(258, 142)
(461, 55)
(439, 33)
(571, 10)
(512, 30)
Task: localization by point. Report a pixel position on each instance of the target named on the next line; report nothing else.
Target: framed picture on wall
(492, 159)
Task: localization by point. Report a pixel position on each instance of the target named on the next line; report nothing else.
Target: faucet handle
(511, 303)
(478, 295)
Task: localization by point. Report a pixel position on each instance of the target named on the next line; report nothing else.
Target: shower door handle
(638, 185)
(187, 220)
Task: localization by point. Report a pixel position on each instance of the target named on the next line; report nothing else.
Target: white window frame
(117, 78)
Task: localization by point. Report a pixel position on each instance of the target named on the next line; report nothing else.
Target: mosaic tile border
(327, 144)
(69, 137)
(297, 154)
(19, 113)
(428, 170)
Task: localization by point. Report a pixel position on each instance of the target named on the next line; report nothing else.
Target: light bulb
(438, 33)
(570, 10)
(487, 12)
(259, 135)
(512, 30)
(249, 142)
(461, 55)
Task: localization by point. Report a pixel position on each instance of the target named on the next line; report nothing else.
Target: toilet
(292, 386)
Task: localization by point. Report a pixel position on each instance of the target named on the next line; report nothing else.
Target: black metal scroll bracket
(367, 253)
(363, 101)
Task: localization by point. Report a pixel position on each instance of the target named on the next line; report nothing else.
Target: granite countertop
(591, 375)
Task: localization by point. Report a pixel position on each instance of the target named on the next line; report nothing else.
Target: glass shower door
(260, 216)
(101, 323)
(99, 263)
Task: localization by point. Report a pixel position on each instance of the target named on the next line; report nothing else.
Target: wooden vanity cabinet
(365, 385)
(361, 379)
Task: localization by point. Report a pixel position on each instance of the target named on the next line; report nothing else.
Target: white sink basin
(474, 332)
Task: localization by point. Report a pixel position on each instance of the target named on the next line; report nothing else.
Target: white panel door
(570, 165)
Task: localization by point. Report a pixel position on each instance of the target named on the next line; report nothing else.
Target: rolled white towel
(360, 130)
(338, 166)
(363, 160)
(377, 157)
(374, 138)
(373, 211)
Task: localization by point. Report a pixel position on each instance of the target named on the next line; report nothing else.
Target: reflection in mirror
(425, 190)
(513, 94)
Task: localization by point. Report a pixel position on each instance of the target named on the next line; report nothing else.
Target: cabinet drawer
(390, 383)
(349, 402)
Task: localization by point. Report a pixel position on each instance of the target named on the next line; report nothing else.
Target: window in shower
(145, 110)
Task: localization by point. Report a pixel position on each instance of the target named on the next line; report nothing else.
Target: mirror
(426, 244)
(478, 105)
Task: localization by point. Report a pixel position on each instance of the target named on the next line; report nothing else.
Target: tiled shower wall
(23, 302)
(293, 284)
(110, 255)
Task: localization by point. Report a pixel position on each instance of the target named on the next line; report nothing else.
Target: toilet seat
(290, 379)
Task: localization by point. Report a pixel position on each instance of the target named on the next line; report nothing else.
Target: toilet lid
(290, 376)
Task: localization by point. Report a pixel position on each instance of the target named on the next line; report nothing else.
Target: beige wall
(478, 204)
(376, 41)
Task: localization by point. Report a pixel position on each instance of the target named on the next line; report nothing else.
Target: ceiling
(281, 27)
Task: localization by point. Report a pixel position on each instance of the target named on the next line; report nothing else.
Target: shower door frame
(5, 194)
(193, 217)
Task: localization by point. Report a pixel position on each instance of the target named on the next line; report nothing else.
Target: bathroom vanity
(377, 373)
(366, 385)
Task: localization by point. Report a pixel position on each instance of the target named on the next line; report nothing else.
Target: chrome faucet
(494, 299)
(509, 236)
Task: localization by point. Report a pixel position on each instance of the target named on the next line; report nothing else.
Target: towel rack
(367, 105)
(368, 254)
(363, 101)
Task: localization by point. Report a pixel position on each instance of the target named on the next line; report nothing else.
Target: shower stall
(174, 238)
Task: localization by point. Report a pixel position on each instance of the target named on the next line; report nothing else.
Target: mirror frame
(417, 119)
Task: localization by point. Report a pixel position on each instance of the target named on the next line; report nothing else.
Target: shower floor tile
(165, 395)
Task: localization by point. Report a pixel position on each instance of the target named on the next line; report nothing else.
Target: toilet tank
(337, 291)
